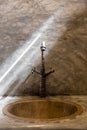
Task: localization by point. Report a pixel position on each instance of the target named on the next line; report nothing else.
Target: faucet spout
(43, 74)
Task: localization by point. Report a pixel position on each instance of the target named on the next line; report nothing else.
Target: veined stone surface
(63, 26)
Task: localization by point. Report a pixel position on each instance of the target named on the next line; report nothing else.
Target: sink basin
(42, 110)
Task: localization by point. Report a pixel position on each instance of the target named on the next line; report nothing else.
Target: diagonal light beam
(19, 58)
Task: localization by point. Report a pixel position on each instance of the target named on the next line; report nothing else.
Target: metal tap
(42, 73)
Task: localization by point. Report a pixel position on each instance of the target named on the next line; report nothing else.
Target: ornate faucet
(42, 73)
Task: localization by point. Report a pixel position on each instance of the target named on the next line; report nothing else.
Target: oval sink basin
(42, 110)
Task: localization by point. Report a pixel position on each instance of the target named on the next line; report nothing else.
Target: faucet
(42, 73)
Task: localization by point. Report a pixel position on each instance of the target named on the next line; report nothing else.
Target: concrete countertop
(79, 122)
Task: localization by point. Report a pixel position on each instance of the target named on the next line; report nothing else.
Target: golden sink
(42, 109)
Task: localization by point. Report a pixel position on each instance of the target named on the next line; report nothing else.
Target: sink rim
(72, 116)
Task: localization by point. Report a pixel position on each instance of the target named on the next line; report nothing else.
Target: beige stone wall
(69, 59)
(19, 19)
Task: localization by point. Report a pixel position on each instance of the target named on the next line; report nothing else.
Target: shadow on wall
(69, 59)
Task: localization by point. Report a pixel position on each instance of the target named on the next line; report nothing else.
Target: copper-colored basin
(42, 110)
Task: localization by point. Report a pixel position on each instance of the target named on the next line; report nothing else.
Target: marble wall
(66, 32)
(69, 59)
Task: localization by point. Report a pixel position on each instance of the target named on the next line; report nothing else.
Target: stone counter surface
(79, 122)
